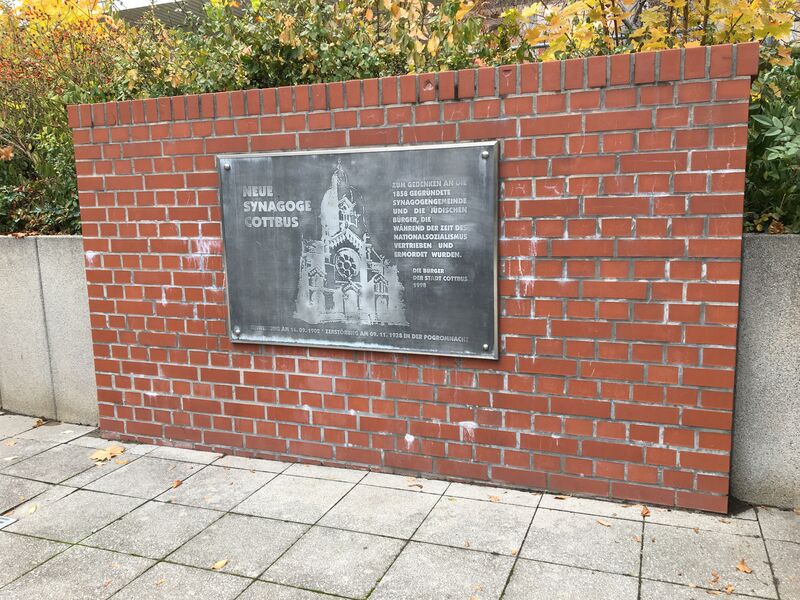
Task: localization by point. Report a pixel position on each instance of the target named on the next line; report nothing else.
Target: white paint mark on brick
(468, 428)
(91, 256)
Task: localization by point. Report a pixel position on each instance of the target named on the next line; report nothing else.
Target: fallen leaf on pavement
(219, 564)
(161, 581)
(560, 497)
(645, 511)
(603, 523)
(796, 510)
(121, 461)
(729, 589)
(742, 566)
(177, 483)
(696, 530)
(106, 454)
(714, 578)
(38, 423)
(32, 508)
(494, 498)
(726, 521)
(9, 443)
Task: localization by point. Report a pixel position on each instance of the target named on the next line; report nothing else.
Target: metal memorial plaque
(391, 249)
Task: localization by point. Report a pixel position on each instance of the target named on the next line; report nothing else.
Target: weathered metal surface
(386, 249)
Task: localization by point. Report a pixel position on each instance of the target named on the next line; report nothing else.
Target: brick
(612, 451)
(644, 67)
(609, 121)
(747, 59)
(597, 67)
(550, 125)
(656, 161)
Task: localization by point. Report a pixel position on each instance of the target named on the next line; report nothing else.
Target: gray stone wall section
(46, 358)
(766, 437)
(66, 307)
(26, 385)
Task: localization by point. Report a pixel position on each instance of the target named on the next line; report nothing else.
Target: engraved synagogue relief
(342, 276)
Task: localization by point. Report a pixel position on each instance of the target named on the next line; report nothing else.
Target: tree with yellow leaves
(588, 27)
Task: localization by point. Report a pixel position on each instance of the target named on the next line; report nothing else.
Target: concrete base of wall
(766, 440)
(46, 359)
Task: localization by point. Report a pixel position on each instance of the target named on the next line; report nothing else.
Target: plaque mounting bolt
(486, 346)
(237, 331)
(227, 166)
(485, 154)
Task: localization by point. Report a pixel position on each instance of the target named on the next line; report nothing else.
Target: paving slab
(494, 494)
(53, 493)
(19, 554)
(320, 472)
(172, 582)
(53, 431)
(779, 524)
(54, 465)
(708, 522)
(590, 506)
(13, 450)
(659, 590)
(262, 590)
(427, 572)
(14, 491)
(252, 464)
(486, 526)
(382, 511)
(578, 540)
(145, 478)
(690, 557)
(785, 557)
(78, 573)
(402, 482)
(219, 488)
(335, 561)
(533, 580)
(184, 454)
(299, 499)
(249, 544)
(154, 529)
(100, 469)
(11, 425)
(75, 516)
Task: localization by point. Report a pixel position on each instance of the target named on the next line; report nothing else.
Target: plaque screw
(227, 166)
(485, 154)
(237, 331)
(486, 346)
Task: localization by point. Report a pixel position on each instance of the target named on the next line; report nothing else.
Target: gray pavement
(157, 522)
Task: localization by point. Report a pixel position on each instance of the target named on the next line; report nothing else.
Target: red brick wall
(620, 234)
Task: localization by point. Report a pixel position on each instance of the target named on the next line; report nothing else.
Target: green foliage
(773, 171)
(271, 43)
(59, 52)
